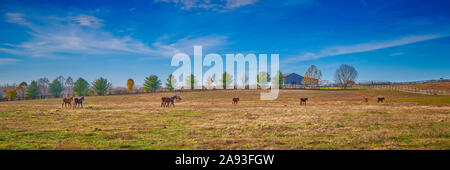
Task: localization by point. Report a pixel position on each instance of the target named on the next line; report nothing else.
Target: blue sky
(390, 40)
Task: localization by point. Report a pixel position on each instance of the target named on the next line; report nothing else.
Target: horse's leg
(62, 105)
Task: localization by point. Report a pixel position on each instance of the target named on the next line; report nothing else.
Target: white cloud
(62, 39)
(17, 18)
(232, 4)
(86, 20)
(364, 47)
(221, 5)
(5, 61)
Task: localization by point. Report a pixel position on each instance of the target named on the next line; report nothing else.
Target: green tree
(56, 87)
(101, 86)
(170, 82)
(190, 82)
(226, 80)
(32, 91)
(263, 76)
(152, 83)
(81, 87)
(280, 80)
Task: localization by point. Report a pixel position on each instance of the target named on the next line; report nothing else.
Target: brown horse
(67, 101)
(365, 100)
(235, 100)
(303, 101)
(380, 100)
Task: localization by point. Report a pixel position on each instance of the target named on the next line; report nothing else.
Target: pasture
(331, 119)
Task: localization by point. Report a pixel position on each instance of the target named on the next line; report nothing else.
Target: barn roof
(285, 75)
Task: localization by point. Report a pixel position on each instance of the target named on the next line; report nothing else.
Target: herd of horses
(170, 101)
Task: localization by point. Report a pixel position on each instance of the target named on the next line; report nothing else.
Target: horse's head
(82, 98)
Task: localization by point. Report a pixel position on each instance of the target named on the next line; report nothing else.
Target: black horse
(380, 99)
(78, 102)
(167, 101)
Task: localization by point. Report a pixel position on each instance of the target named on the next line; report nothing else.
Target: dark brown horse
(380, 100)
(235, 100)
(78, 102)
(303, 101)
(67, 101)
(163, 101)
(365, 100)
(167, 101)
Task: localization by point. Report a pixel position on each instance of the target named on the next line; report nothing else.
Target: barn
(292, 79)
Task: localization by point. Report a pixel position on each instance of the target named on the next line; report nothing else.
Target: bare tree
(209, 82)
(43, 86)
(312, 76)
(244, 80)
(69, 86)
(345, 75)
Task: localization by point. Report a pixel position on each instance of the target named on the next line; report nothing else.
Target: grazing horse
(303, 101)
(235, 100)
(67, 101)
(167, 101)
(380, 99)
(365, 100)
(78, 102)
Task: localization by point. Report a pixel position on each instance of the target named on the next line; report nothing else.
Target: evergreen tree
(170, 82)
(101, 86)
(151, 83)
(56, 87)
(32, 91)
(81, 87)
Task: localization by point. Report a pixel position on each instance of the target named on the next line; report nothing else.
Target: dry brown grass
(207, 120)
(445, 86)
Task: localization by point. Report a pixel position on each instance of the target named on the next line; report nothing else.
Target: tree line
(344, 76)
(43, 88)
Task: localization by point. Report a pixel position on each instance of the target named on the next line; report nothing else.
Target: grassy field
(429, 86)
(333, 119)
